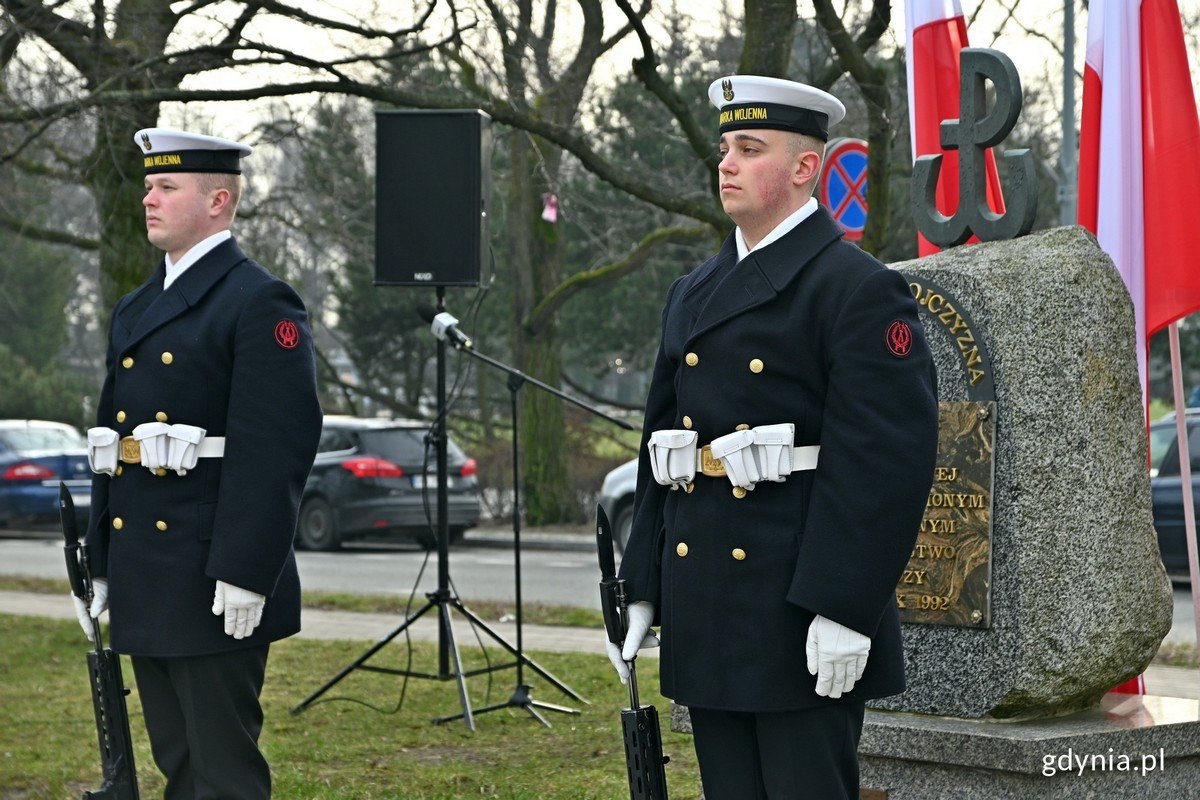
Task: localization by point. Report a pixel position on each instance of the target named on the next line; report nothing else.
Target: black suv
(369, 481)
(1166, 488)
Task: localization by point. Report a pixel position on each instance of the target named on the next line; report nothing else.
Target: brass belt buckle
(712, 467)
(131, 450)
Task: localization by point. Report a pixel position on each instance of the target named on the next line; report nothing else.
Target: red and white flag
(936, 33)
(1139, 170)
(1139, 158)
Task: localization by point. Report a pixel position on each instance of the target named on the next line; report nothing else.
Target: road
(556, 570)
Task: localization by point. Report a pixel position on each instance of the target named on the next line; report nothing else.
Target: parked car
(616, 498)
(1166, 488)
(373, 478)
(34, 456)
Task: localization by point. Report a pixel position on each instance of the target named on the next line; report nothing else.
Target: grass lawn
(489, 610)
(341, 750)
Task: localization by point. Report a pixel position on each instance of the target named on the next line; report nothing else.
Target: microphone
(444, 326)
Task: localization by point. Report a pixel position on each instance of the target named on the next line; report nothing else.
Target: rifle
(644, 759)
(104, 674)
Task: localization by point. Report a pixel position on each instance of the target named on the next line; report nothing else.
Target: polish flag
(1139, 158)
(1139, 167)
(936, 33)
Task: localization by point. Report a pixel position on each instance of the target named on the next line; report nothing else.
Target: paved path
(355, 626)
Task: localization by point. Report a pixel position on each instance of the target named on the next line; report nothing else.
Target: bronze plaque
(948, 577)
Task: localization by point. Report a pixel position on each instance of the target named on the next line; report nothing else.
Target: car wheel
(623, 526)
(317, 529)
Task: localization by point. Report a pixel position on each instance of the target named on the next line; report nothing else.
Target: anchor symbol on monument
(971, 134)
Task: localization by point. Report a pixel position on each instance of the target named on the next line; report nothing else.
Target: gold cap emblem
(727, 89)
(146, 142)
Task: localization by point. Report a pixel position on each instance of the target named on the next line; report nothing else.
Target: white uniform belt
(803, 459)
(209, 447)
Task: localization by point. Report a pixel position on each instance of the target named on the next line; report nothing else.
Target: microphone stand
(522, 696)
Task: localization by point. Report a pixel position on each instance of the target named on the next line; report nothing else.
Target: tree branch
(877, 25)
(543, 313)
(608, 401)
(23, 228)
(562, 135)
(646, 70)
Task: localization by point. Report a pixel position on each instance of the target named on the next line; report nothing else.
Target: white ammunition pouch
(155, 444)
(102, 447)
(773, 450)
(673, 457)
(735, 451)
(184, 449)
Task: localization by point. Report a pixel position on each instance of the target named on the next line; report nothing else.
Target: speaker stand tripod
(444, 600)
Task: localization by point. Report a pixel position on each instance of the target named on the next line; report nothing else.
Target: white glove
(837, 655)
(242, 609)
(637, 636)
(84, 614)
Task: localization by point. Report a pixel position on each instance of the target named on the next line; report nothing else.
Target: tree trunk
(536, 264)
(114, 177)
(879, 162)
(767, 48)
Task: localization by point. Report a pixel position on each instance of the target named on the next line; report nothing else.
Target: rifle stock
(644, 759)
(104, 676)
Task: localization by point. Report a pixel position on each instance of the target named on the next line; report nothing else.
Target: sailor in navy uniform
(788, 451)
(206, 429)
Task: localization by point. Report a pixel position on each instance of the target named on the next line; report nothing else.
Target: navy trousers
(811, 754)
(204, 718)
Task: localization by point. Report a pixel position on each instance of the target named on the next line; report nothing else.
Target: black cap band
(227, 161)
(774, 115)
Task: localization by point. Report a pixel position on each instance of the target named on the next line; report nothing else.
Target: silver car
(616, 498)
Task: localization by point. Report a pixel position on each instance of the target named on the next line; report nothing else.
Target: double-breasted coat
(226, 348)
(813, 331)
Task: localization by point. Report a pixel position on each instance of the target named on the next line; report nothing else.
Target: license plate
(430, 481)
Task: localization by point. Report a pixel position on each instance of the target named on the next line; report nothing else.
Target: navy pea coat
(802, 331)
(226, 348)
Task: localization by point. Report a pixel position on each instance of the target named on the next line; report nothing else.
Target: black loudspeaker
(432, 184)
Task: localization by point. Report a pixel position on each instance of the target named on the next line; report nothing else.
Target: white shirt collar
(780, 230)
(198, 251)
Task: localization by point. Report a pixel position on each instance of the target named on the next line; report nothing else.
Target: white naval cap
(167, 150)
(754, 101)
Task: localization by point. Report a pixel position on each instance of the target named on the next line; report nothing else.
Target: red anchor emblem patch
(287, 334)
(899, 339)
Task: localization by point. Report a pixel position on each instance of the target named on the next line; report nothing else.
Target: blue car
(34, 456)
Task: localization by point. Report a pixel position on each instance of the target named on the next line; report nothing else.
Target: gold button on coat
(162, 526)
(118, 523)
(681, 548)
(120, 468)
(687, 422)
(739, 492)
(127, 362)
(689, 487)
(161, 472)
(742, 427)
(692, 359)
(120, 416)
(167, 358)
(739, 554)
(756, 365)
(161, 416)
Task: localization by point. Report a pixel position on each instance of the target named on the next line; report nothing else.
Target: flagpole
(1068, 179)
(1185, 476)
